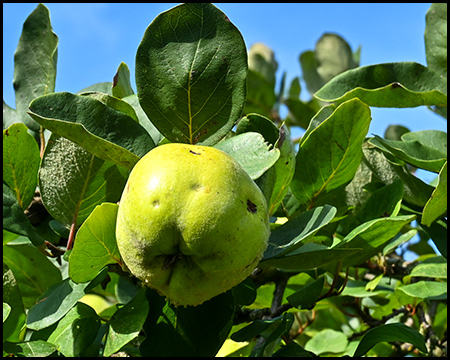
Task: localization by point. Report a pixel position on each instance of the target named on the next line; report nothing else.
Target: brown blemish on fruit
(251, 207)
(193, 152)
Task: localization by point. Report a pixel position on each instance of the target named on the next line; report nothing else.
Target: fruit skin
(191, 223)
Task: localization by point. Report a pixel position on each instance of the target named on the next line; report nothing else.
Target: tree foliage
(344, 205)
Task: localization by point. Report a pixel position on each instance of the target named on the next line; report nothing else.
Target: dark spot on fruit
(128, 187)
(251, 207)
(155, 203)
(193, 152)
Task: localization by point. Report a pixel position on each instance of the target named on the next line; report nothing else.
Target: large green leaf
(415, 191)
(327, 341)
(104, 131)
(436, 38)
(196, 331)
(38, 348)
(76, 331)
(275, 182)
(34, 62)
(251, 151)
(73, 181)
(310, 256)
(426, 149)
(390, 332)
(261, 80)
(15, 220)
(126, 323)
(95, 244)
(191, 69)
(306, 297)
(372, 236)
(404, 84)
(434, 267)
(58, 300)
(431, 290)
(20, 163)
(330, 154)
(332, 56)
(13, 325)
(23, 260)
(290, 235)
(436, 206)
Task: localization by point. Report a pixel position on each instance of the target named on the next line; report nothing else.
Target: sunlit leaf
(191, 69)
(404, 84)
(387, 333)
(95, 244)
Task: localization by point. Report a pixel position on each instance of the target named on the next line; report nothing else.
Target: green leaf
(300, 112)
(310, 256)
(382, 202)
(260, 124)
(58, 300)
(436, 38)
(387, 333)
(426, 149)
(37, 348)
(404, 84)
(191, 69)
(273, 336)
(429, 290)
(307, 296)
(121, 82)
(20, 163)
(126, 323)
(33, 271)
(334, 56)
(290, 235)
(103, 131)
(331, 56)
(436, 206)
(261, 80)
(76, 331)
(330, 154)
(6, 311)
(275, 182)
(73, 181)
(372, 236)
(435, 267)
(327, 341)
(15, 220)
(251, 151)
(261, 59)
(9, 116)
(34, 62)
(415, 191)
(113, 103)
(95, 244)
(196, 331)
(13, 325)
(143, 119)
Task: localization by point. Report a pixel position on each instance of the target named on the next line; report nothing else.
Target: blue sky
(95, 38)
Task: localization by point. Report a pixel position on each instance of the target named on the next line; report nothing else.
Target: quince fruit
(191, 223)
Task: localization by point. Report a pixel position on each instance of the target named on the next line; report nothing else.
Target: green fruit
(191, 223)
